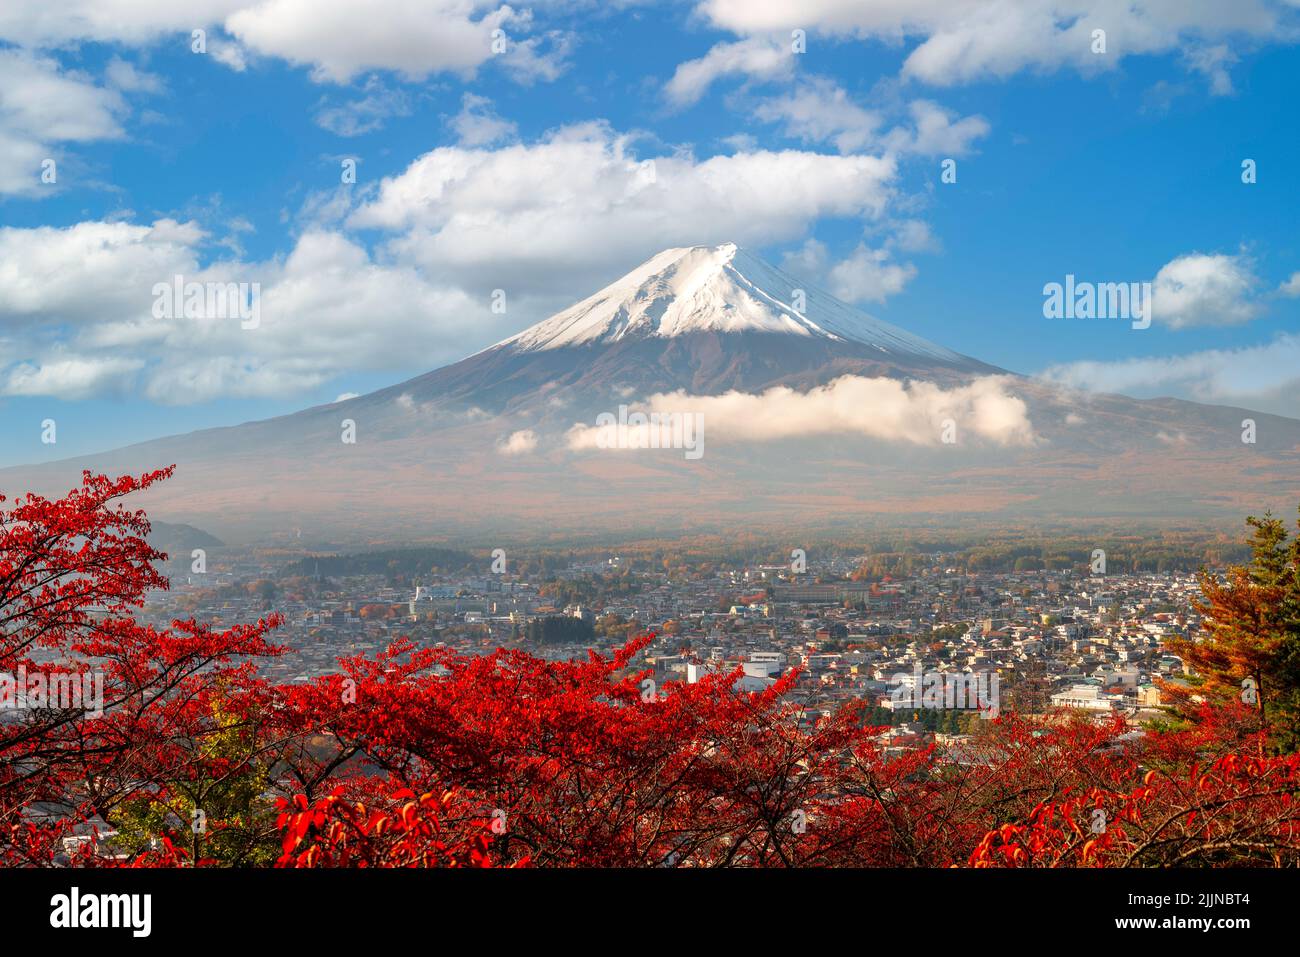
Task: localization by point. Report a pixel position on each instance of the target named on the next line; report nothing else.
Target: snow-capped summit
(718, 289)
(485, 445)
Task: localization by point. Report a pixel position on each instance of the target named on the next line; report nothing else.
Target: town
(1023, 640)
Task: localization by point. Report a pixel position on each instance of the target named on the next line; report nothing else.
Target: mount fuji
(707, 319)
(814, 415)
(718, 289)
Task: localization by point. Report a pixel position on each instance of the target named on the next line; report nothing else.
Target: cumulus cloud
(335, 41)
(578, 207)
(956, 40)
(78, 308)
(42, 105)
(72, 378)
(339, 40)
(1264, 377)
(1291, 287)
(915, 413)
(38, 23)
(961, 41)
(1205, 290)
(539, 221)
(80, 274)
(521, 442)
(754, 58)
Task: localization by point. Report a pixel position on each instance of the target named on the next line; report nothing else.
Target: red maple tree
(72, 573)
(427, 757)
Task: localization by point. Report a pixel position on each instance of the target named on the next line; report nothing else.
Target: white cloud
(229, 54)
(1205, 290)
(936, 131)
(93, 269)
(1212, 62)
(574, 210)
(1291, 287)
(914, 236)
(542, 221)
(866, 274)
(809, 261)
(1264, 377)
(77, 307)
(130, 78)
(336, 41)
(543, 58)
(132, 22)
(477, 125)
(958, 40)
(72, 378)
(869, 275)
(966, 40)
(339, 40)
(518, 443)
(367, 114)
(42, 105)
(818, 110)
(740, 142)
(879, 408)
(753, 58)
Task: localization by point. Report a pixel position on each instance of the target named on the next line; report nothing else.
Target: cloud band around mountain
(915, 413)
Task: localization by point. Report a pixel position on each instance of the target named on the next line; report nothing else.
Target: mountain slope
(705, 319)
(820, 416)
(717, 289)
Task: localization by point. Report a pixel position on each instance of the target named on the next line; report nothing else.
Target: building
(1084, 697)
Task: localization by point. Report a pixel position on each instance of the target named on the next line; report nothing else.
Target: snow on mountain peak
(722, 289)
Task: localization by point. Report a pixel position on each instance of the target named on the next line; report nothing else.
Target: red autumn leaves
(426, 758)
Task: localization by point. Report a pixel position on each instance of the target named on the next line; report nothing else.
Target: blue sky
(601, 133)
